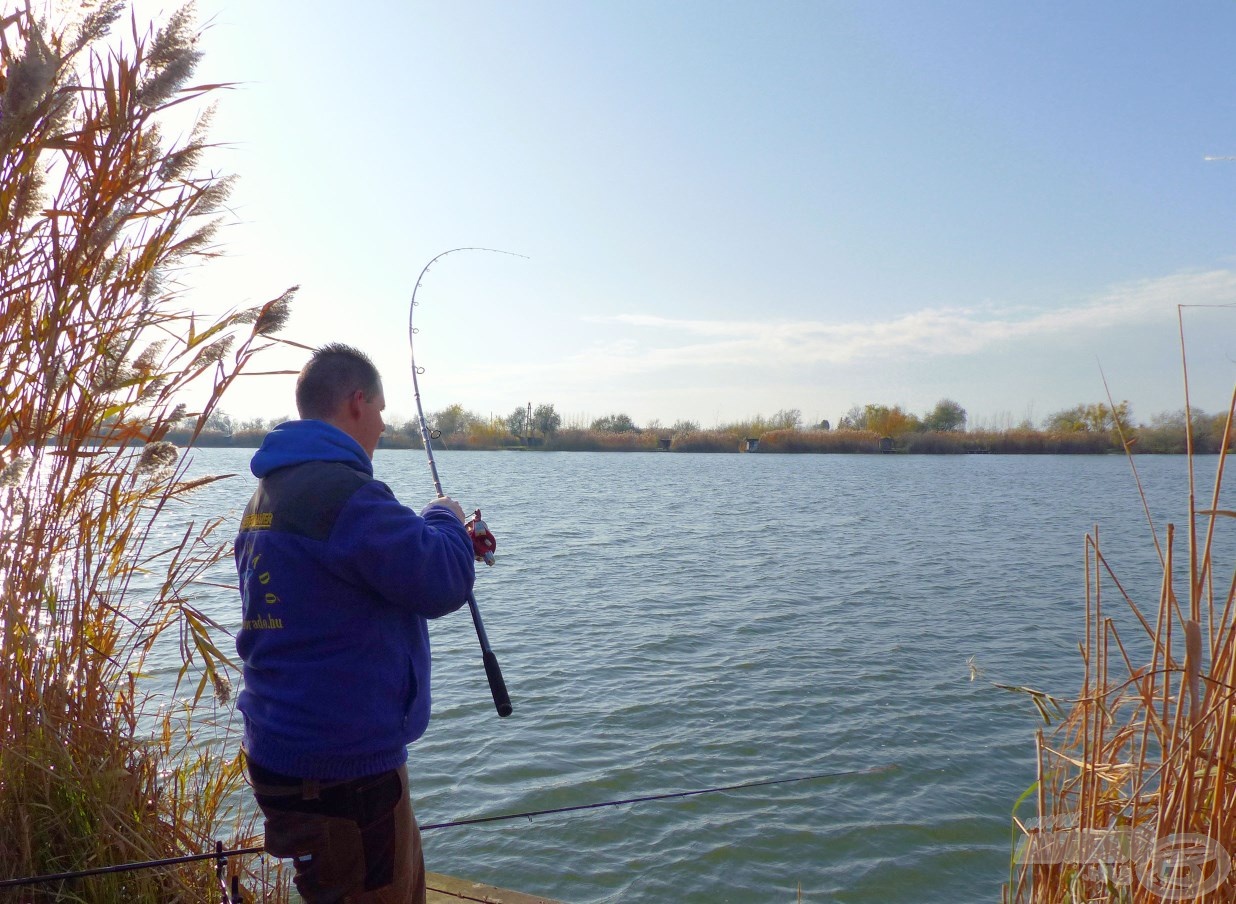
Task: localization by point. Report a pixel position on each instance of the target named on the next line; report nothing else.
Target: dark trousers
(355, 841)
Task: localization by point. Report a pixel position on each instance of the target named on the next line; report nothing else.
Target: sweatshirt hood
(296, 442)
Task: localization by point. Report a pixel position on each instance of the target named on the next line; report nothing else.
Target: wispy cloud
(931, 332)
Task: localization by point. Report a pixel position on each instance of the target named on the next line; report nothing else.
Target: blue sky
(731, 208)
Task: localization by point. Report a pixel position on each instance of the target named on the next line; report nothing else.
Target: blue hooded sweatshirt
(337, 579)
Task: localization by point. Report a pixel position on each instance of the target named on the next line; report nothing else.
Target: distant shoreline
(817, 442)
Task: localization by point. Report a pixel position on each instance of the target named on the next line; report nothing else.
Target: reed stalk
(99, 211)
(1136, 801)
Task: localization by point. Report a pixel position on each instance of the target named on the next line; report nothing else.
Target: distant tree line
(946, 417)
(453, 425)
(1085, 428)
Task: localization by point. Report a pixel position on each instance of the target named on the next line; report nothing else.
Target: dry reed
(1136, 793)
(98, 210)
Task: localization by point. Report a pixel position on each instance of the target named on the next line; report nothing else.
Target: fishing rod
(483, 542)
(220, 854)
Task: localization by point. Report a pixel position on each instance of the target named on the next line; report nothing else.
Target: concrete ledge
(449, 890)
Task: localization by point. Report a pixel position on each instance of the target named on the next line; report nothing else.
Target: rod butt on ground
(497, 686)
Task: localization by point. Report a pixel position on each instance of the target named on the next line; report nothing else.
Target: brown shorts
(354, 841)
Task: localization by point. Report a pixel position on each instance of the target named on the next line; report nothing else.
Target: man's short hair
(333, 373)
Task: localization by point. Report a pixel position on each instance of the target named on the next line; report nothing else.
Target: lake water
(672, 622)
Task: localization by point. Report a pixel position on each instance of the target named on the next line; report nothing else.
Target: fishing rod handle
(497, 685)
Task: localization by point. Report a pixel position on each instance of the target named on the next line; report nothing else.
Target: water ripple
(675, 622)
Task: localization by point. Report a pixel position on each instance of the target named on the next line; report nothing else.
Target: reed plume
(96, 208)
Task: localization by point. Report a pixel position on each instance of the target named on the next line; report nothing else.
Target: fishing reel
(483, 541)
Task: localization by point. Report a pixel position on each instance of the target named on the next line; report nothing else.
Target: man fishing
(337, 580)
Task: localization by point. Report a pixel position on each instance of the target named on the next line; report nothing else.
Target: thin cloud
(931, 332)
(677, 348)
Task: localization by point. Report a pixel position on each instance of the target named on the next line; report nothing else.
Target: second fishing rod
(478, 531)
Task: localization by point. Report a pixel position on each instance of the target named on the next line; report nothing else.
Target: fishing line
(220, 854)
(493, 672)
(874, 770)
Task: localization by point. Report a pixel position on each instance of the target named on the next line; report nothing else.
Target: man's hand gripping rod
(497, 686)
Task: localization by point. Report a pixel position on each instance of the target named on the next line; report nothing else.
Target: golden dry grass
(98, 211)
(1136, 793)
